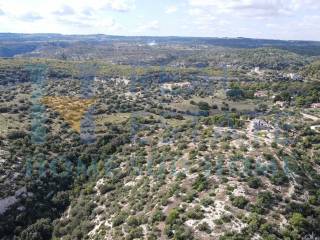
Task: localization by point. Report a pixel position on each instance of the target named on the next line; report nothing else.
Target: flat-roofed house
(315, 105)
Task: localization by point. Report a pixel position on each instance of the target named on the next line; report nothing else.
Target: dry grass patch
(71, 109)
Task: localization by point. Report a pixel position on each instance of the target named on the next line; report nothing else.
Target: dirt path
(314, 118)
(315, 128)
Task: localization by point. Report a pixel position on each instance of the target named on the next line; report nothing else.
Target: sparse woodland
(203, 159)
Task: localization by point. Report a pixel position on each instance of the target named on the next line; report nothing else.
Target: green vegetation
(203, 150)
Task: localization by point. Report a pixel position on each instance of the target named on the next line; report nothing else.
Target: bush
(133, 221)
(195, 213)
(182, 233)
(279, 178)
(181, 176)
(254, 182)
(298, 221)
(16, 135)
(239, 201)
(254, 222)
(158, 216)
(200, 183)
(265, 199)
(207, 201)
(61, 200)
(173, 215)
(119, 219)
(204, 106)
(189, 196)
(136, 233)
(204, 227)
(106, 188)
(41, 230)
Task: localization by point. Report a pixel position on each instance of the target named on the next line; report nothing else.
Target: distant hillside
(312, 71)
(12, 49)
(22, 43)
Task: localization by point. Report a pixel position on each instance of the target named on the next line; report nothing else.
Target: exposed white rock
(7, 202)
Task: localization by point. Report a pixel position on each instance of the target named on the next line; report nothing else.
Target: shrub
(158, 216)
(195, 213)
(254, 182)
(254, 222)
(279, 178)
(265, 199)
(173, 215)
(239, 201)
(40, 230)
(183, 233)
(207, 201)
(181, 176)
(189, 196)
(204, 227)
(298, 221)
(119, 219)
(16, 135)
(204, 106)
(200, 183)
(106, 188)
(136, 233)
(133, 221)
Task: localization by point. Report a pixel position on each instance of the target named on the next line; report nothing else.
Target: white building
(315, 105)
(293, 76)
(259, 124)
(261, 94)
(170, 86)
(280, 104)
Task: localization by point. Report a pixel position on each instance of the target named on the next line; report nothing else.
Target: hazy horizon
(159, 36)
(264, 19)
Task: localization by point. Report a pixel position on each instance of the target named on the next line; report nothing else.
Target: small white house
(280, 104)
(170, 86)
(257, 70)
(261, 94)
(293, 76)
(315, 105)
(259, 124)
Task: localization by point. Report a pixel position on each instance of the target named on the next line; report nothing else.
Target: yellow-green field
(71, 109)
(9, 123)
(185, 105)
(112, 118)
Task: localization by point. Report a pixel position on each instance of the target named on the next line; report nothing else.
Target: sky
(268, 19)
